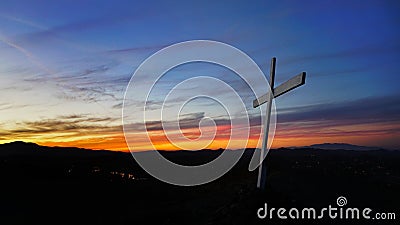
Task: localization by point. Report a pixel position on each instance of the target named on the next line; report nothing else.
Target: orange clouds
(297, 128)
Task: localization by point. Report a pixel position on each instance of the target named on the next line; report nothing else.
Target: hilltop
(103, 187)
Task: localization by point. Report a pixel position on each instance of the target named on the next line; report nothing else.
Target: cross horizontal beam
(291, 84)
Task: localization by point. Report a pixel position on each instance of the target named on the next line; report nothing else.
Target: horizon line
(206, 149)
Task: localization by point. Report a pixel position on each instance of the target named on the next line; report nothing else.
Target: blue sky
(61, 61)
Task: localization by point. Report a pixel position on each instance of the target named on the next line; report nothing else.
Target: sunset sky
(64, 68)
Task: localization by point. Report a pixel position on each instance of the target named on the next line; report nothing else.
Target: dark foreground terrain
(41, 185)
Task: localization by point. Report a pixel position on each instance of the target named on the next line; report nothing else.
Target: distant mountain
(24, 148)
(28, 148)
(18, 147)
(342, 146)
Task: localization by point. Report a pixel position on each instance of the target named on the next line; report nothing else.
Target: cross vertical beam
(262, 170)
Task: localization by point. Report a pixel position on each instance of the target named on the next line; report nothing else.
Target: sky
(64, 69)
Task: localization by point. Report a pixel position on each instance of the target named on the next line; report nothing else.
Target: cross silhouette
(289, 85)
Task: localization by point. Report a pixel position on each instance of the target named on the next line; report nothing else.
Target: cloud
(368, 121)
(65, 126)
(22, 21)
(372, 117)
(360, 111)
(144, 49)
(27, 53)
(186, 122)
(89, 83)
(76, 130)
(117, 106)
(103, 19)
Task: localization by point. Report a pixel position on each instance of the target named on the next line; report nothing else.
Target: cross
(289, 85)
